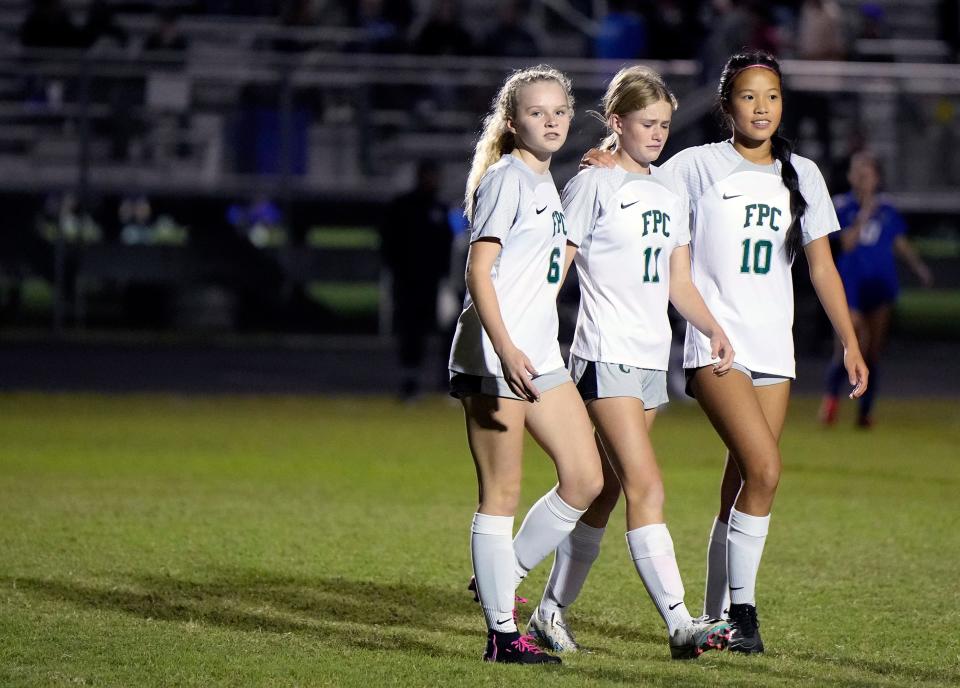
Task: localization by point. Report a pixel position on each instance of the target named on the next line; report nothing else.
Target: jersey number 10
(762, 251)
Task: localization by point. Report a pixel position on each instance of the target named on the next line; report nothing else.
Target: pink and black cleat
(513, 648)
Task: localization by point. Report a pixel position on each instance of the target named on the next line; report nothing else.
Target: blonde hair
(495, 139)
(631, 89)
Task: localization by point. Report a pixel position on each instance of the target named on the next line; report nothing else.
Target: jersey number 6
(553, 273)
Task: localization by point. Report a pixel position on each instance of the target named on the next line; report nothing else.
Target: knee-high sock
(491, 548)
(575, 556)
(716, 595)
(746, 536)
(547, 523)
(836, 374)
(651, 548)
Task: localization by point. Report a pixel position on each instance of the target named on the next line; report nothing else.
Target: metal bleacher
(344, 128)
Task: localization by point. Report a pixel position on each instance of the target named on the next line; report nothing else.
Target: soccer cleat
(552, 633)
(472, 587)
(745, 630)
(513, 648)
(701, 635)
(829, 408)
(864, 422)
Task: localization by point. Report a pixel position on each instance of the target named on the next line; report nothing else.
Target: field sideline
(157, 540)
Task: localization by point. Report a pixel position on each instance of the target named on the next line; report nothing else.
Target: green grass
(164, 540)
(344, 237)
(347, 298)
(929, 312)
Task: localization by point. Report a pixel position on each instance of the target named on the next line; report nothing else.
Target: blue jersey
(869, 271)
(873, 256)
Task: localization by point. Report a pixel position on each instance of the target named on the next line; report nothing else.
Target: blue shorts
(865, 294)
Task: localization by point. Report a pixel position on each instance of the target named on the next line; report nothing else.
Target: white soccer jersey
(626, 226)
(522, 210)
(741, 212)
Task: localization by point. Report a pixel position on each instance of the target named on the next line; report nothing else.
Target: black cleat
(513, 648)
(744, 630)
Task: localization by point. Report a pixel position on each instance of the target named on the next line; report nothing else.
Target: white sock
(547, 523)
(716, 596)
(746, 536)
(651, 548)
(491, 549)
(575, 556)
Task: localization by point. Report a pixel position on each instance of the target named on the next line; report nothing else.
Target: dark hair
(782, 147)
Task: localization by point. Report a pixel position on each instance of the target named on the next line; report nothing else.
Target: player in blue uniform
(873, 235)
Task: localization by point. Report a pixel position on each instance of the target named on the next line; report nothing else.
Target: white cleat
(701, 635)
(552, 634)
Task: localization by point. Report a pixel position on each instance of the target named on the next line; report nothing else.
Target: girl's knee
(583, 488)
(593, 483)
(609, 495)
(766, 477)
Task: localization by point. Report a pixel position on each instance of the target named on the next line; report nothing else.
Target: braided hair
(782, 148)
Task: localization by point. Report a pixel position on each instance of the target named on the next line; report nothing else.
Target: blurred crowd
(616, 29)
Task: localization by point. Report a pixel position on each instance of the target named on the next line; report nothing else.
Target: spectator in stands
(246, 8)
(623, 33)
(872, 25)
(733, 26)
(443, 33)
(510, 37)
(948, 14)
(820, 31)
(296, 14)
(49, 25)
(415, 243)
(821, 35)
(260, 221)
(382, 25)
(166, 36)
(675, 33)
(336, 12)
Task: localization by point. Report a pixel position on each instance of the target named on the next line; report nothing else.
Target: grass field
(161, 540)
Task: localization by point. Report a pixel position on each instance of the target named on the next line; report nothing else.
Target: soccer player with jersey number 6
(755, 206)
(505, 362)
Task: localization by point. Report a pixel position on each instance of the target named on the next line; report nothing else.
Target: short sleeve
(496, 204)
(581, 205)
(682, 169)
(682, 226)
(895, 222)
(820, 218)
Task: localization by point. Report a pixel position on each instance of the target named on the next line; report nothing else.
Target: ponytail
(782, 150)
